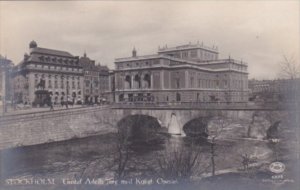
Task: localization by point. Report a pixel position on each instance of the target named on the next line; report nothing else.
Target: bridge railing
(48, 114)
(198, 105)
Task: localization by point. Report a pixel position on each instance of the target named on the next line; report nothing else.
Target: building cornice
(176, 67)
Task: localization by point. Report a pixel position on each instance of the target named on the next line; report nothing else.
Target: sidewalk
(11, 111)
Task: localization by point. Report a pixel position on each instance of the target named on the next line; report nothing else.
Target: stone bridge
(44, 127)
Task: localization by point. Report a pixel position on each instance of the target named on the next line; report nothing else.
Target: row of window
(58, 60)
(64, 93)
(193, 54)
(56, 76)
(199, 97)
(62, 84)
(137, 64)
(59, 68)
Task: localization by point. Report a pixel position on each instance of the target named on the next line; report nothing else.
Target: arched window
(137, 80)
(147, 81)
(128, 81)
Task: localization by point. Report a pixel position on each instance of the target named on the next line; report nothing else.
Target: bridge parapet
(199, 106)
(48, 114)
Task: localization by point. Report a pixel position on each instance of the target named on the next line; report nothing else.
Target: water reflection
(93, 156)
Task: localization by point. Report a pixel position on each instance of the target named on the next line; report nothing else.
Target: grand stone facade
(56, 72)
(6, 66)
(188, 73)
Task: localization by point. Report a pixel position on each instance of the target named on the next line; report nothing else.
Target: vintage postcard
(149, 95)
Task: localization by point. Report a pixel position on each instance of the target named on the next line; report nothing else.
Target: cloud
(258, 32)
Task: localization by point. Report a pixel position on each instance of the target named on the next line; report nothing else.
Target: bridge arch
(196, 127)
(139, 126)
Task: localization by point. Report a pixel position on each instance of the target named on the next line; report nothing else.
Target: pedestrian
(51, 104)
(67, 102)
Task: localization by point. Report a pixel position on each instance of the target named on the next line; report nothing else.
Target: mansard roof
(53, 52)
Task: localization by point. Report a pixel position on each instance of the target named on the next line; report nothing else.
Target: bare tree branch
(289, 68)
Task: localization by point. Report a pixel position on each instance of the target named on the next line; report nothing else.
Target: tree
(290, 69)
(180, 163)
(122, 153)
(219, 123)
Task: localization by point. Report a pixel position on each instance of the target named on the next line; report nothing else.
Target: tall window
(177, 83)
(147, 80)
(178, 97)
(128, 81)
(192, 82)
(137, 79)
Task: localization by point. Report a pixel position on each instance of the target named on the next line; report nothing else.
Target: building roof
(138, 58)
(51, 52)
(188, 47)
(5, 62)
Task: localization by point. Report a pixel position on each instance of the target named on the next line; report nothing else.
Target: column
(132, 82)
(151, 76)
(186, 79)
(162, 83)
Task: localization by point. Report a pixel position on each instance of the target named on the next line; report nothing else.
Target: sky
(257, 32)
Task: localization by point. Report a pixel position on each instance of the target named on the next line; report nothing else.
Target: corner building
(96, 80)
(58, 71)
(187, 73)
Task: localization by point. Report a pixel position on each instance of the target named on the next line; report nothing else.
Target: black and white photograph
(163, 94)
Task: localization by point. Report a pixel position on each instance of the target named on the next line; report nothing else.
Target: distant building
(55, 72)
(6, 66)
(275, 90)
(96, 78)
(188, 73)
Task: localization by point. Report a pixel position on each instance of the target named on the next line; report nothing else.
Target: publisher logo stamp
(277, 167)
